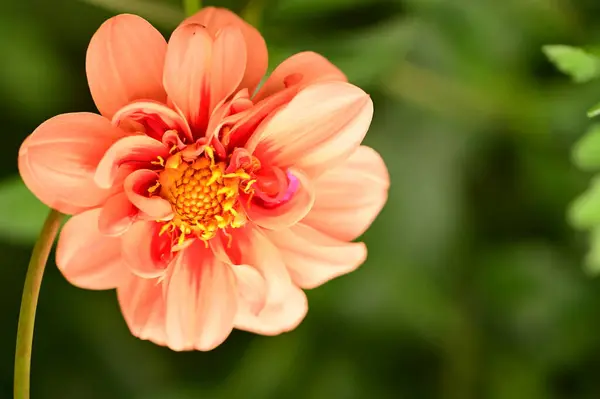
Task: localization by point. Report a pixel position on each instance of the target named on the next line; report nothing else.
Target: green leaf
(21, 213)
(594, 111)
(584, 213)
(592, 260)
(581, 65)
(586, 152)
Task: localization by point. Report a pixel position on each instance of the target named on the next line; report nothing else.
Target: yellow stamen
(161, 161)
(155, 187)
(203, 197)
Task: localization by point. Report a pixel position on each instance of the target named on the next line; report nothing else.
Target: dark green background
(474, 286)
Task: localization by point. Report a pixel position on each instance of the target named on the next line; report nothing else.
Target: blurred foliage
(473, 287)
(580, 64)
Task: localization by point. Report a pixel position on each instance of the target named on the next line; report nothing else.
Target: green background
(474, 286)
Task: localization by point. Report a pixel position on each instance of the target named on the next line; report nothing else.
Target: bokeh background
(474, 286)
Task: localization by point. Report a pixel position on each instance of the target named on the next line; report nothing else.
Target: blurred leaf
(300, 7)
(584, 213)
(32, 72)
(383, 45)
(582, 66)
(22, 214)
(155, 11)
(592, 260)
(586, 152)
(594, 111)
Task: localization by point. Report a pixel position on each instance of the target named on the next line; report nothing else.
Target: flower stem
(31, 291)
(191, 6)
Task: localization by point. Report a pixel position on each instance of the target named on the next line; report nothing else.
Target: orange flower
(208, 208)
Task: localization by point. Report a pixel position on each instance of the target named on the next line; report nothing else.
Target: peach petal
(215, 19)
(227, 113)
(87, 258)
(143, 307)
(350, 196)
(320, 127)
(250, 120)
(251, 288)
(313, 258)
(288, 213)
(276, 317)
(143, 112)
(124, 63)
(117, 214)
(309, 67)
(228, 64)
(201, 300)
(145, 251)
(249, 246)
(136, 188)
(187, 74)
(58, 160)
(135, 151)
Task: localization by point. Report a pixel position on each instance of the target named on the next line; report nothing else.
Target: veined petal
(320, 127)
(187, 74)
(125, 62)
(276, 317)
(350, 196)
(201, 300)
(314, 258)
(249, 246)
(117, 214)
(143, 307)
(145, 251)
(153, 119)
(300, 70)
(137, 186)
(59, 159)
(87, 258)
(228, 64)
(288, 213)
(283, 306)
(135, 151)
(257, 57)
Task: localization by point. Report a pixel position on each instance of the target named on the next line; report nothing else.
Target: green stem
(31, 291)
(191, 6)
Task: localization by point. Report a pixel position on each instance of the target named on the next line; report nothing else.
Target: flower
(206, 205)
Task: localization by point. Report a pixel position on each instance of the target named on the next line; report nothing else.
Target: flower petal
(300, 70)
(276, 317)
(288, 213)
(143, 307)
(137, 186)
(87, 258)
(250, 247)
(153, 119)
(321, 126)
(58, 160)
(124, 63)
(314, 258)
(349, 197)
(251, 288)
(117, 214)
(284, 305)
(201, 300)
(187, 74)
(135, 151)
(257, 57)
(228, 64)
(145, 251)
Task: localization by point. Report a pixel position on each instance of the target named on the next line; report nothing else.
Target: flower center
(203, 196)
